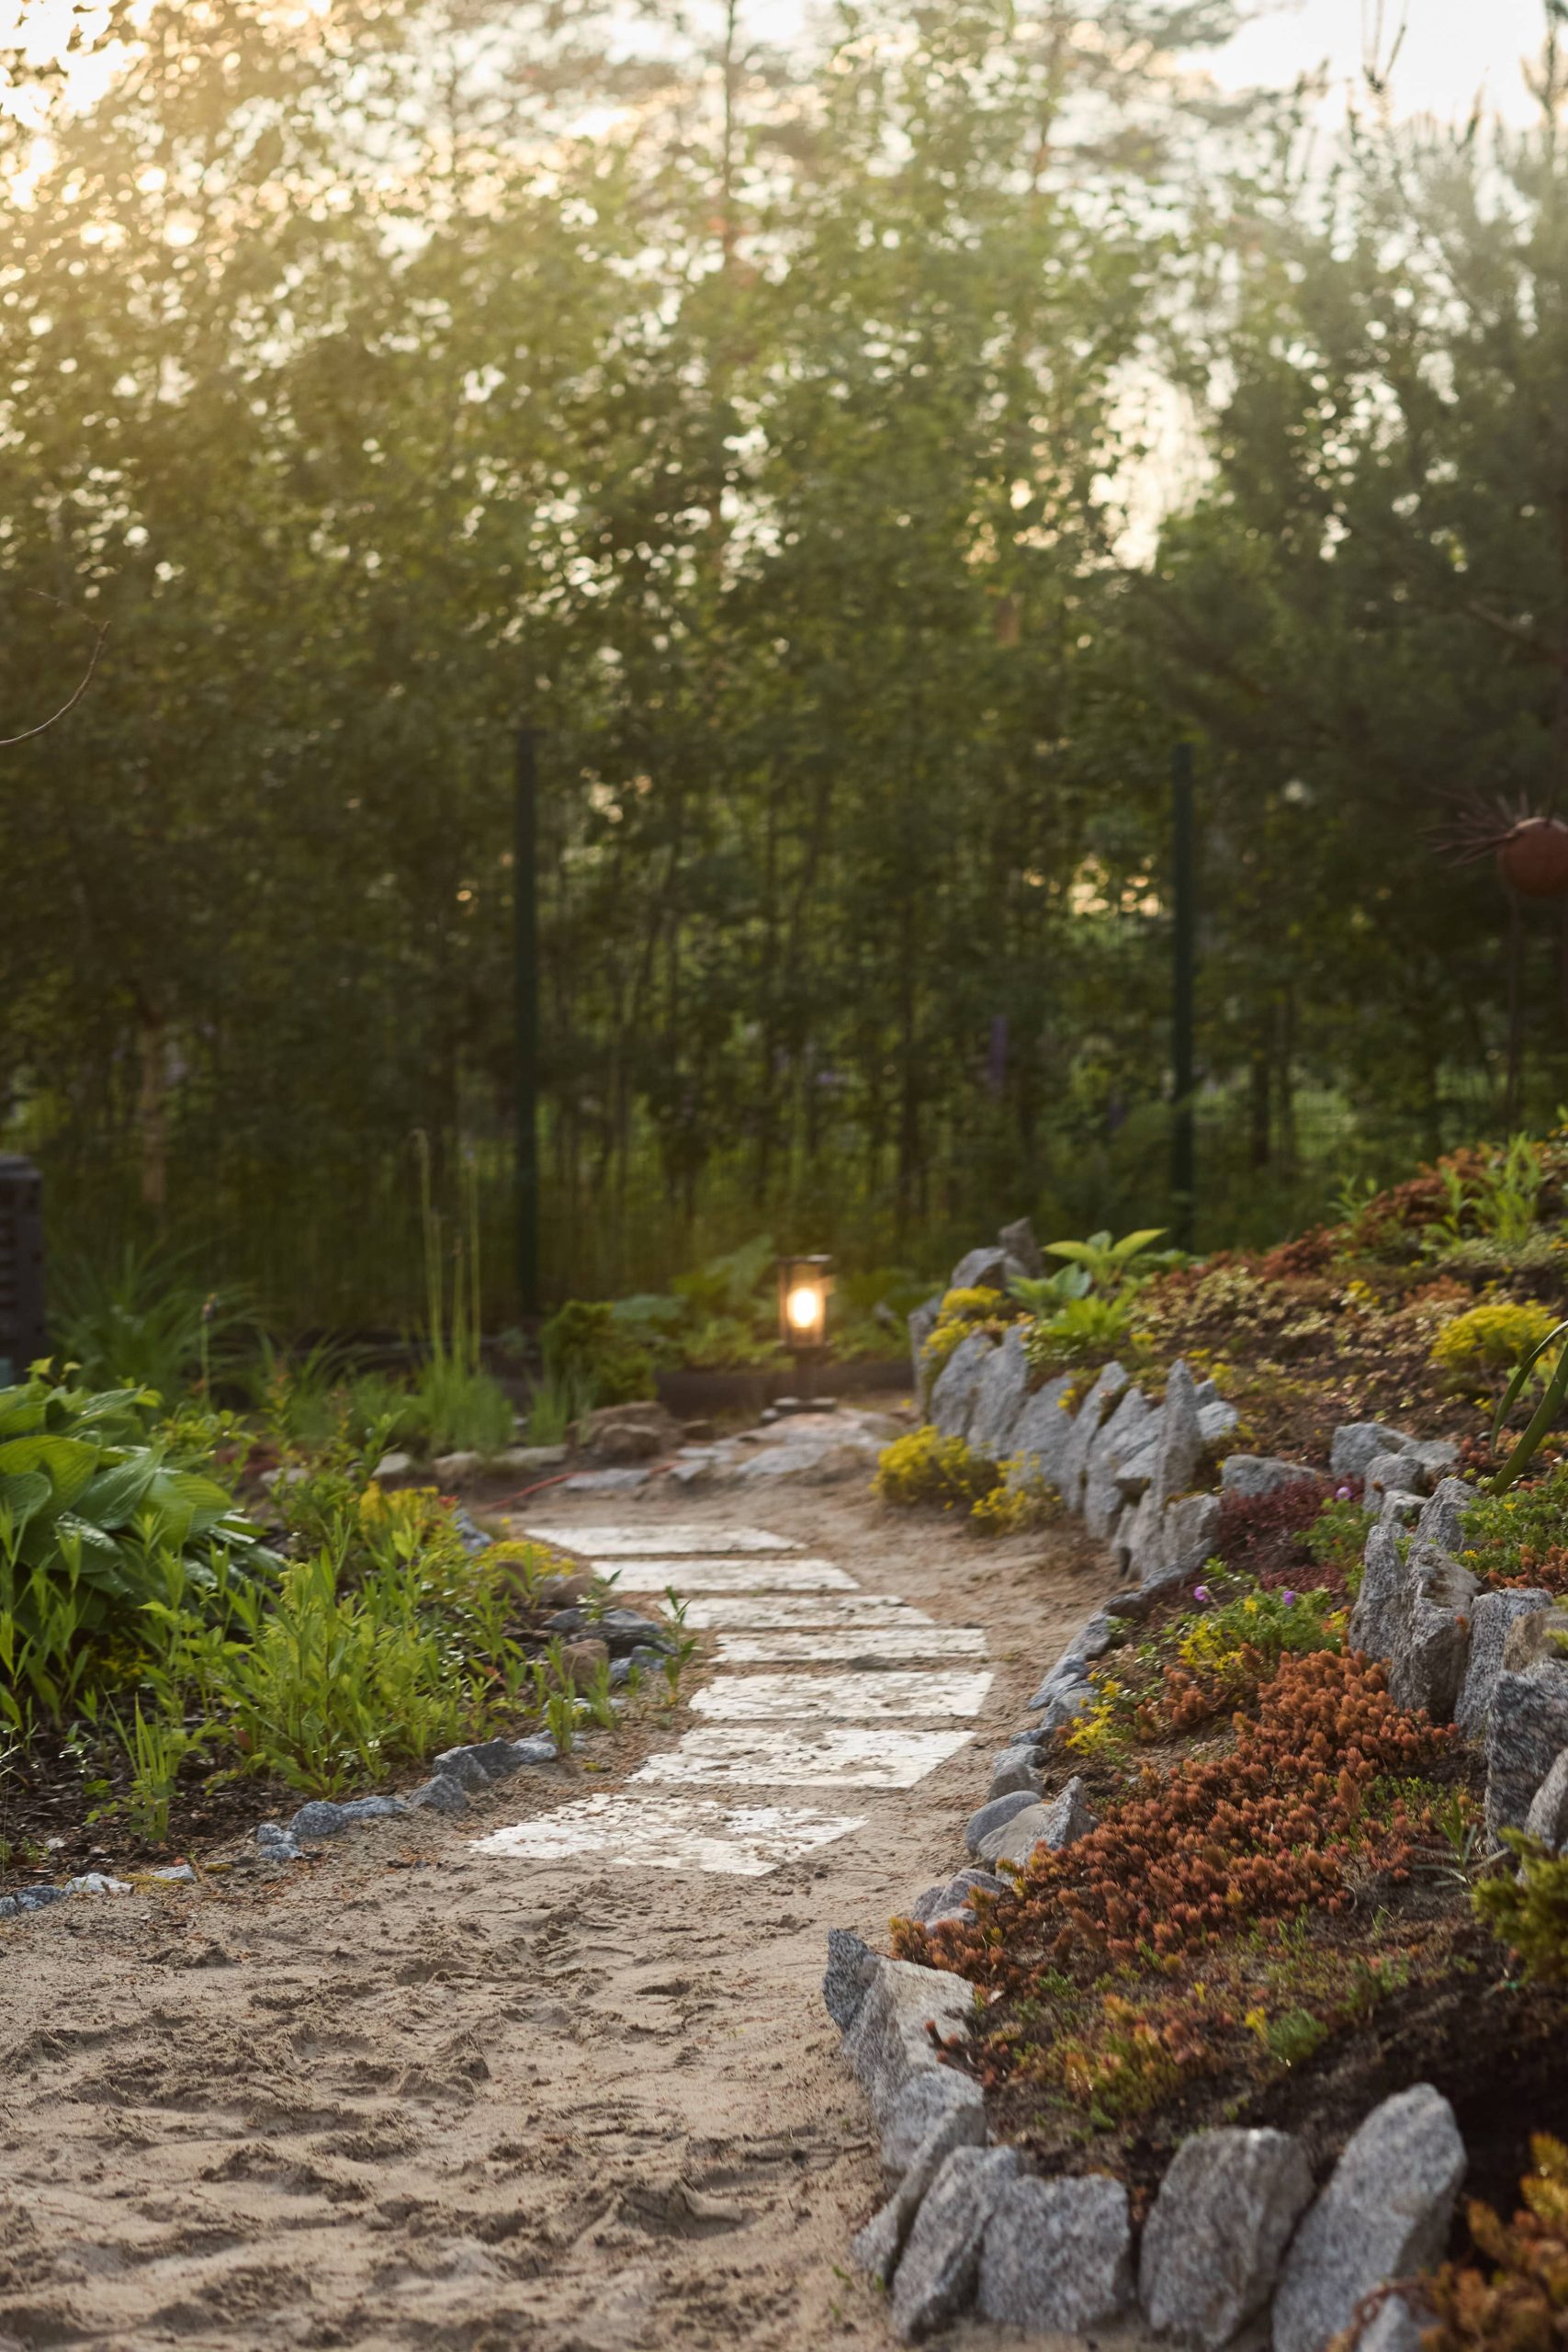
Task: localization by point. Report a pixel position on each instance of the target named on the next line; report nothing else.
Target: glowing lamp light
(804, 1284)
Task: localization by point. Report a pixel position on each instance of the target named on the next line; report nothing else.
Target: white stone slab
(874, 1644)
(774, 1610)
(839, 1698)
(671, 1834)
(859, 1755)
(728, 1576)
(626, 1540)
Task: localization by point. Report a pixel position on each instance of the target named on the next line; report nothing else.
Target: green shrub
(144, 1321)
(587, 1352)
(1491, 1339)
(1080, 1326)
(1529, 1912)
(926, 1467)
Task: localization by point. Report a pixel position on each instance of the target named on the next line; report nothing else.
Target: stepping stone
(840, 1756)
(888, 1643)
(848, 1698)
(729, 1575)
(671, 1834)
(771, 1610)
(627, 1539)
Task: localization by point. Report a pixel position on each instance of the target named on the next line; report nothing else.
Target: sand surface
(406, 2095)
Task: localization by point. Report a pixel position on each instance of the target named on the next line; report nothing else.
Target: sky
(1451, 49)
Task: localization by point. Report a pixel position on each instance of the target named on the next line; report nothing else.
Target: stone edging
(1235, 2226)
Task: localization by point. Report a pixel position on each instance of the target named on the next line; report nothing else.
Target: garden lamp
(804, 1287)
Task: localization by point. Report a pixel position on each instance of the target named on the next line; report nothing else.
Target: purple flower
(1341, 1494)
(1287, 1598)
(1200, 1592)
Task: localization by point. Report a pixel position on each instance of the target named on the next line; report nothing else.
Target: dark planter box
(694, 1395)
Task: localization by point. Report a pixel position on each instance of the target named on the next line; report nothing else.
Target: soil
(403, 2095)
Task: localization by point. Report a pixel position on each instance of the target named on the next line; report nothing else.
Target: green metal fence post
(525, 951)
(1183, 1151)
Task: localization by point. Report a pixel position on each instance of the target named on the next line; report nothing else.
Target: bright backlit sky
(1452, 49)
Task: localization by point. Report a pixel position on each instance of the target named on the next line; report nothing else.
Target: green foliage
(1529, 1912)
(1492, 1337)
(459, 1407)
(94, 1507)
(1338, 1539)
(1080, 1327)
(589, 1356)
(143, 1319)
(1111, 1266)
(1518, 1537)
(1499, 1199)
(926, 1467)
(1548, 1358)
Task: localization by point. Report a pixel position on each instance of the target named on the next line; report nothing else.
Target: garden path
(434, 2090)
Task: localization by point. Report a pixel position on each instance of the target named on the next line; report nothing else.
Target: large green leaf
(23, 1494)
(68, 1463)
(114, 1496)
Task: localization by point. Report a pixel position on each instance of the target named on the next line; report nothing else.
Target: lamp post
(804, 1286)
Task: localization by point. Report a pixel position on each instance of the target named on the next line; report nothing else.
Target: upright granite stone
(1385, 2213)
(851, 1963)
(1018, 1240)
(876, 2247)
(1107, 1389)
(1547, 1820)
(999, 1398)
(927, 2099)
(1442, 1520)
(1431, 1645)
(1120, 1437)
(1187, 1534)
(1181, 1435)
(1040, 1432)
(1057, 2255)
(889, 2039)
(991, 1268)
(1383, 1601)
(1491, 1616)
(1526, 1732)
(921, 1324)
(957, 1388)
(935, 2281)
(1059, 1822)
(1219, 2227)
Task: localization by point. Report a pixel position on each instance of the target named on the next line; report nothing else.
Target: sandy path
(410, 2095)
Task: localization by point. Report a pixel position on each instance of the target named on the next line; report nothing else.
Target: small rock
(1547, 1820)
(98, 1883)
(921, 1323)
(1385, 2213)
(1121, 1437)
(319, 1818)
(373, 1808)
(1384, 1600)
(525, 1461)
(1070, 1667)
(851, 1964)
(1018, 1240)
(1040, 1433)
(38, 1898)
(394, 1466)
(274, 1843)
(442, 1793)
(539, 1749)
(1220, 2225)
(1066, 1704)
(936, 2278)
(1251, 1474)
(1216, 1419)
(492, 1759)
(1017, 1774)
(1391, 1474)
(1187, 1536)
(604, 1482)
(985, 1269)
(1057, 2255)
(1491, 1618)
(174, 1875)
(562, 1592)
(627, 1629)
(993, 1815)
(1526, 1733)
(452, 1470)
(1355, 1444)
(1060, 1822)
